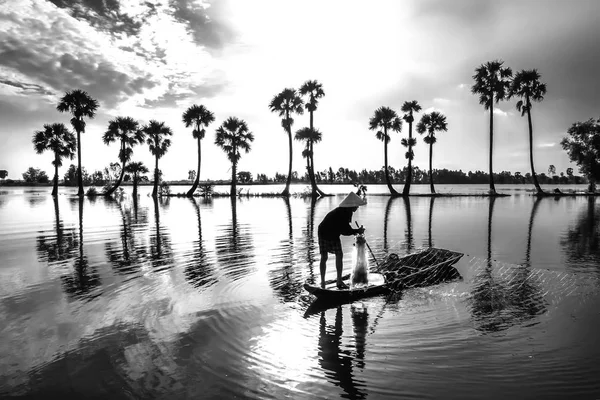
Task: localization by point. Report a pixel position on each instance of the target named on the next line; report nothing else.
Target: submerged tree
(385, 119)
(409, 107)
(58, 139)
(583, 147)
(526, 85)
(158, 144)
(232, 136)
(492, 83)
(285, 104)
(80, 105)
(314, 91)
(137, 170)
(431, 123)
(127, 131)
(199, 117)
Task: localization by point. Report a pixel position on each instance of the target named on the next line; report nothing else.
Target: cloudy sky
(153, 59)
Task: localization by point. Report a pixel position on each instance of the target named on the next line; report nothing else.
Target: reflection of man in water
(339, 362)
(336, 223)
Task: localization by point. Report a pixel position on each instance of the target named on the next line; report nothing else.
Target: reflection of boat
(424, 267)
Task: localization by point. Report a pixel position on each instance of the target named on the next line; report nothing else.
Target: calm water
(203, 299)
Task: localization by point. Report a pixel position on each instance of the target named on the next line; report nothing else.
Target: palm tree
(232, 136)
(285, 104)
(80, 105)
(159, 144)
(310, 136)
(314, 90)
(137, 170)
(431, 123)
(127, 131)
(60, 140)
(526, 85)
(492, 82)
(409, 107)
(199, 117)
(385, 118)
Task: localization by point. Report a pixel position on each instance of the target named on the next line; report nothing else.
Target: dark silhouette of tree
(310, 136)
(80, 105)
(431, 123)
(409, 107)
(583, 147)
(159, 144)
(35, 175)
(285, 104)
(198, 271)
(581, 242)
(125, 130)
(137, 170)
(199, 117)
(58, 139)
(492, 83)
(232, 136)
(161, 252)
(526, 85)
(314, 90)
(385, 119)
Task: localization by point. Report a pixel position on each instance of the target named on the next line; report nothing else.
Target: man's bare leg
(339, 266)
(323, 267)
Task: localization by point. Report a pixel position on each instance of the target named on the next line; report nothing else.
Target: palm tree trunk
(79, 177)
(155, 190)
(535, 181)
(385, 161)
(55, 185)
(286, 191)
(190, 192)
(135, 183)
(233, 179)
(492, 187)
(406, 190)
(118, 183)
(430, 167)
(312, 164)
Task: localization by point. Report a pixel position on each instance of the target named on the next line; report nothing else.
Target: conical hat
(352, 200)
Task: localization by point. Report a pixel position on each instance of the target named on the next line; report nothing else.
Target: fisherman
(336, 223)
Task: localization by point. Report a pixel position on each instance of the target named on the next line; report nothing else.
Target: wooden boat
(424, 267)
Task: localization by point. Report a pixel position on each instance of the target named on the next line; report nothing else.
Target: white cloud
(498, 111)
(546, 145)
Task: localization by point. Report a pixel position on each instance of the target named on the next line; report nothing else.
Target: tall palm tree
(492, 82)
(137, 169)
(526, 85)
(310, 136)
(80, 105)
(58, 139)
(285, 104)
(232, 136)
(383, 120)
(314, 90)
(409, 107)
(431, 123)
(127, 131)
(159, 144)
(199, 117)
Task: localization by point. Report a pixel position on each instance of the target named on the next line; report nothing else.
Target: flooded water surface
(203, 298)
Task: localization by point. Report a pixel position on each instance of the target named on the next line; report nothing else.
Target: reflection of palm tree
(58, 248)
(198, 271)
(409, 233)
(310, 236)
(84, 279)
(385, 119)
(536, 203)
(386, 217)
(80, 105)
(127, 131)
(199, 117)
(127, 259)
(58, 139)
(430, 241)
(234, 248)
(161, 253)
(339, 362)
(582, 241)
